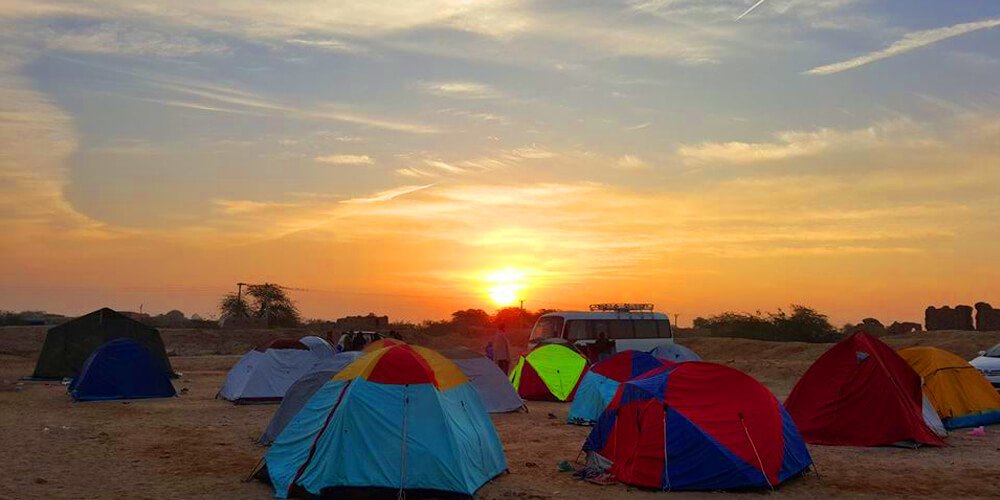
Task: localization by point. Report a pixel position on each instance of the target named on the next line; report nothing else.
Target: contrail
(752, 7)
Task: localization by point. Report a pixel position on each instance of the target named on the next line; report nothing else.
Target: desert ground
(195, 446)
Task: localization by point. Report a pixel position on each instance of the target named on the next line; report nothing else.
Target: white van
(630, 326)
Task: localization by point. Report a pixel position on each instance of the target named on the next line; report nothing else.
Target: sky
(415, 158)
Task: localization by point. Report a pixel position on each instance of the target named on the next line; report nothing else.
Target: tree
(234, 306)
(269, 301)
(470, 318)
(514, 317)
(273, 304)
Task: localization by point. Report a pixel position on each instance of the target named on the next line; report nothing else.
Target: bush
(802, 325)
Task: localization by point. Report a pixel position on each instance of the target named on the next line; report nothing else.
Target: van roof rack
(626, 307)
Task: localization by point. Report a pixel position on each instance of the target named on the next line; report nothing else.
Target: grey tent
(494, 389)
(68, 345)
(303, 389)
(675, 353)
(264, 374)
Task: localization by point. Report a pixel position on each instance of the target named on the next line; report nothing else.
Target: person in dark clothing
(357, 341)
(601, 348)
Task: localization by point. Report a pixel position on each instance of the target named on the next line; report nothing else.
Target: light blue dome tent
(400, 420)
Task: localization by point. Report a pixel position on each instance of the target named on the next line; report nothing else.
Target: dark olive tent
(68, 345)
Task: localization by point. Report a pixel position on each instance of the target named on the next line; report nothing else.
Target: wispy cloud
(328, 45)
(797, 144)
(36, 140)
(910, 41)
(363, 160)
(115, 38)
(195, 106)
(415, 173)
(461, 90)
(217, 94)
(630, 162)
(387, 195)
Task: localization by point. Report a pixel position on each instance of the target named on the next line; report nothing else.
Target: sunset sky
(417, 157)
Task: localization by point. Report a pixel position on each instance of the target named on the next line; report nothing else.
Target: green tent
(549, 372)
(68, 345)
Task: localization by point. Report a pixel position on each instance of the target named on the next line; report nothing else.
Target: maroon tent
(860, 393)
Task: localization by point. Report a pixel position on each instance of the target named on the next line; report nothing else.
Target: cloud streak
(910, 41)
(387, 195)
(751, 9)
(797, 144)
(362, 160)
(460, 90)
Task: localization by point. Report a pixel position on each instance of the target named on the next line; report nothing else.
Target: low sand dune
(195, 446)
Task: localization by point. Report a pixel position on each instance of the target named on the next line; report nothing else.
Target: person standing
(501, 348)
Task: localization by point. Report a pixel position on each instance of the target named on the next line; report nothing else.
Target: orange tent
(959, 393)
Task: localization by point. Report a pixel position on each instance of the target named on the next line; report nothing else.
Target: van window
(663, 328)
(547, 327)
(621, 329)
(577, 330)
(645, 328)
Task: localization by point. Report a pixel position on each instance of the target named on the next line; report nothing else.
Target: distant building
(370, 322)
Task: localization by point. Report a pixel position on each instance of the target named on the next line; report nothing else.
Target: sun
(504, 286)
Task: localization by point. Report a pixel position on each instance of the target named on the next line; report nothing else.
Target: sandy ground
(195, 446)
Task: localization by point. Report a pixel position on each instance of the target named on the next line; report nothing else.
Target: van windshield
(547, 327)
(994, 352)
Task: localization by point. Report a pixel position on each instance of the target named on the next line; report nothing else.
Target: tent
(601, 382)
(697, 426)
(675, 353)
(495, 391)
(860, 393)
(960, 394)
(402, 420)
(121, 369)
(67, 346)
(303, 389)
(550, 372)
(380, 343)
(266, 372)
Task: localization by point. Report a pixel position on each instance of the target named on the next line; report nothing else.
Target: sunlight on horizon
(504, 285)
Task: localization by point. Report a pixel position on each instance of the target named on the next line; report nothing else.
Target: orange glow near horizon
(505, 285)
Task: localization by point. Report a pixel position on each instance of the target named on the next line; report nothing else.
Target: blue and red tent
(698, 426)
(599, 384)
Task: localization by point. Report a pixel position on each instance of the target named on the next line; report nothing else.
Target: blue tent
(122, 369)
(400, 419)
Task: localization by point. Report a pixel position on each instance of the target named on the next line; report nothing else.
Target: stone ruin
(987, 318)
(870, 325)
(899, 328)
(946, 318)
